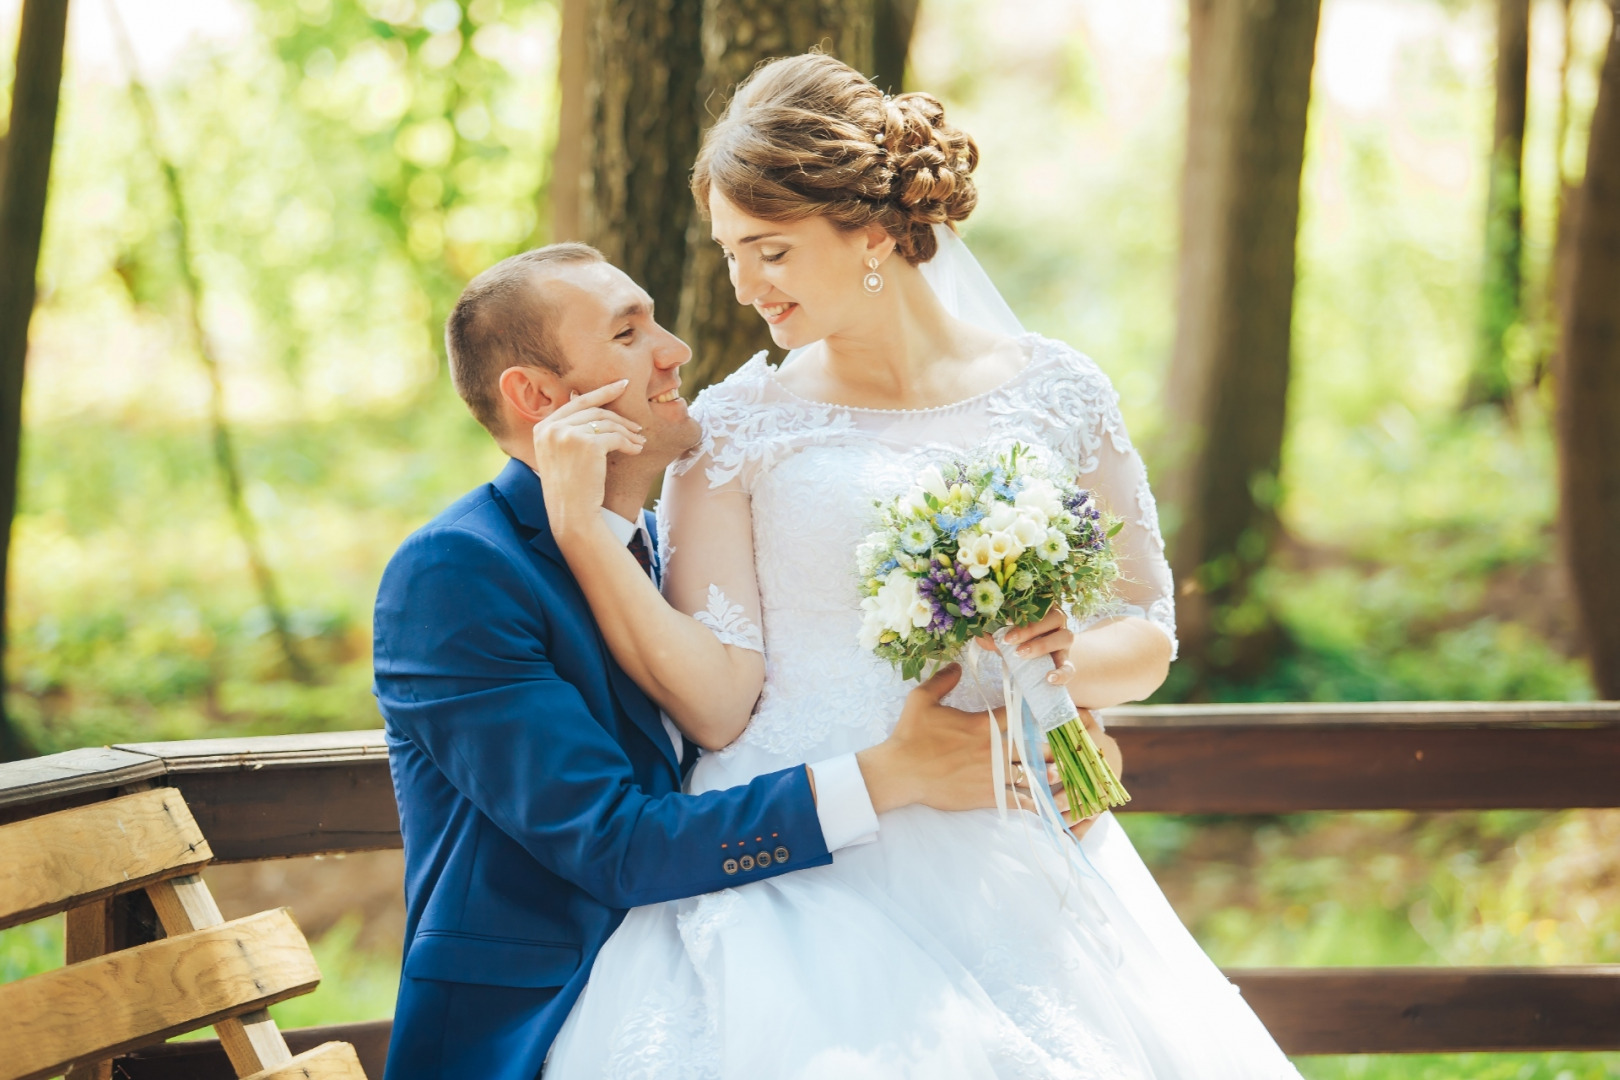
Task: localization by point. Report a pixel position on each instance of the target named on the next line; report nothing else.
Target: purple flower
(947, 585)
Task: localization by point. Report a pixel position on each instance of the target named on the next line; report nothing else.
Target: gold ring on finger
(593, 428)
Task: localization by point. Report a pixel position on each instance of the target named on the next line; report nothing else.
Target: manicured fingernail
(1023, 650)
(1052, 678)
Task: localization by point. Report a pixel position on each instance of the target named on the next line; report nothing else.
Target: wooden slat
(1279, 769)
(259, 751)
(1309, 1010)
(281, 796)
(202, 1059)
(1429, 714)
(286, 796)
(98, 1008)
(38, 779)
(65, 859)
(328, 1061)
(286, 812)
(1435, 1010)
(251, 1041)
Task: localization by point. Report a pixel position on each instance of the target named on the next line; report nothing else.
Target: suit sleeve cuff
(842, 803)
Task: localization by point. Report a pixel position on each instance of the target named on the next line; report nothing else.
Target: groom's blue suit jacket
(539, 794)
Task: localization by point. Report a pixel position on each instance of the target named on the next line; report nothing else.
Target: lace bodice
(763, 517)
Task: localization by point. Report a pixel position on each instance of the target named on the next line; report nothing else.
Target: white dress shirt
(843, 805)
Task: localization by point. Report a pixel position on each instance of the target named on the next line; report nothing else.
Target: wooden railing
(291, 795)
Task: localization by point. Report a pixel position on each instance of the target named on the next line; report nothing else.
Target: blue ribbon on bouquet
(1025, 739)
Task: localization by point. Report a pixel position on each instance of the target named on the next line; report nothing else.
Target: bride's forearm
(1118, 661)
(708, 688)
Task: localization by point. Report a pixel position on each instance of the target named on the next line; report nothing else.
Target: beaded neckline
(1027, 341)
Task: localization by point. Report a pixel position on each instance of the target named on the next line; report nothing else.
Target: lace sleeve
(1107, 463)
(707, 538)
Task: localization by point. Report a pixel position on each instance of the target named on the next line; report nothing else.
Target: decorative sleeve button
(747, 862)
(729, 866)
(781, 854)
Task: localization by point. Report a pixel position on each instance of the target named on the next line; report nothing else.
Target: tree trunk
(1249, 85)
(892, 24)
(24, 177)
(568, 159)
(737, 35)
(645, 60)
(1553, 295)
(1589, 392)
(1489, 382)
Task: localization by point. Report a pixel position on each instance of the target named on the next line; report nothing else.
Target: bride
(957, 945)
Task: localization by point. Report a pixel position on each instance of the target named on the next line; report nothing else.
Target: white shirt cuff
(843, 804)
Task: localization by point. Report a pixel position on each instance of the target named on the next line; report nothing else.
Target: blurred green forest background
(348, 166)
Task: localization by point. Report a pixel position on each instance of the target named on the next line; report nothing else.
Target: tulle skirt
(956, 946)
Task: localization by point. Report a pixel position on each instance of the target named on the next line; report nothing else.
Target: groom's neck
(626, 491)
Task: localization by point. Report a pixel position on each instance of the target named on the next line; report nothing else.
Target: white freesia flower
(1029, 530)
(921, 613)
(1041, 495)
(871, 626)
(1001, 517)
(1055, 548)
(890, 609)
(1004, 546)
(913, 502)
(932, 481)
(973, 551)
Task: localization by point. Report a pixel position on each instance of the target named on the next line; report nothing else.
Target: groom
(538, 787)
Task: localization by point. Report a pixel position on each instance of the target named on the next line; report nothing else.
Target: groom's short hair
(502, 320)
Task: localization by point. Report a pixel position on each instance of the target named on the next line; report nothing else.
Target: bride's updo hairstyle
(809, 136)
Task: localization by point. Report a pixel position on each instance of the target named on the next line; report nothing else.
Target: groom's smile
(607, 331)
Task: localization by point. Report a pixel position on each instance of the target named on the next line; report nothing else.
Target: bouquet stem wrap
(1086, 776)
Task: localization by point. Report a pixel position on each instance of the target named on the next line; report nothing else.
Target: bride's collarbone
(944, 382)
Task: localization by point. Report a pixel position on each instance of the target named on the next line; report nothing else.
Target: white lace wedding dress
(955, 945)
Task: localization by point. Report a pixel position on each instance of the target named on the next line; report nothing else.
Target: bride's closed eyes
(765, 256)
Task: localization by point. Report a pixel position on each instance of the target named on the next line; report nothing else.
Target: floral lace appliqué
(729, 623)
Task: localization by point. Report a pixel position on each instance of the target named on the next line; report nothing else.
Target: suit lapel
(519, 486)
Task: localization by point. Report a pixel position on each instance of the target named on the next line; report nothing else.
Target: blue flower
(891, 564)
(1001, 485)
(950, 524)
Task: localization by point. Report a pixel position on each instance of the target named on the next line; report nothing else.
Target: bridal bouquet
(980, 547)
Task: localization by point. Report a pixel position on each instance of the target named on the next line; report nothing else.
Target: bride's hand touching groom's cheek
(571, 448)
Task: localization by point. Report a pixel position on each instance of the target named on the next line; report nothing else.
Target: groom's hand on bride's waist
(937, 756)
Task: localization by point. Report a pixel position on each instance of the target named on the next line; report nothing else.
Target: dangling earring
(873, 281)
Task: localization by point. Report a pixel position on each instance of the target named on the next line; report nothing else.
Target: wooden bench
(283, 796)
(110, 999)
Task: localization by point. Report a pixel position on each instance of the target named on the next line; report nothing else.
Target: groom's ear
(530, 394)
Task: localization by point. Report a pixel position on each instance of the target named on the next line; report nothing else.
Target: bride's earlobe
(873, 281)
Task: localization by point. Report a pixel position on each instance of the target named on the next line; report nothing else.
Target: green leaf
(1115, 527)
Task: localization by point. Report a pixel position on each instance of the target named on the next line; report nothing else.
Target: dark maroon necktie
(638, 548)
